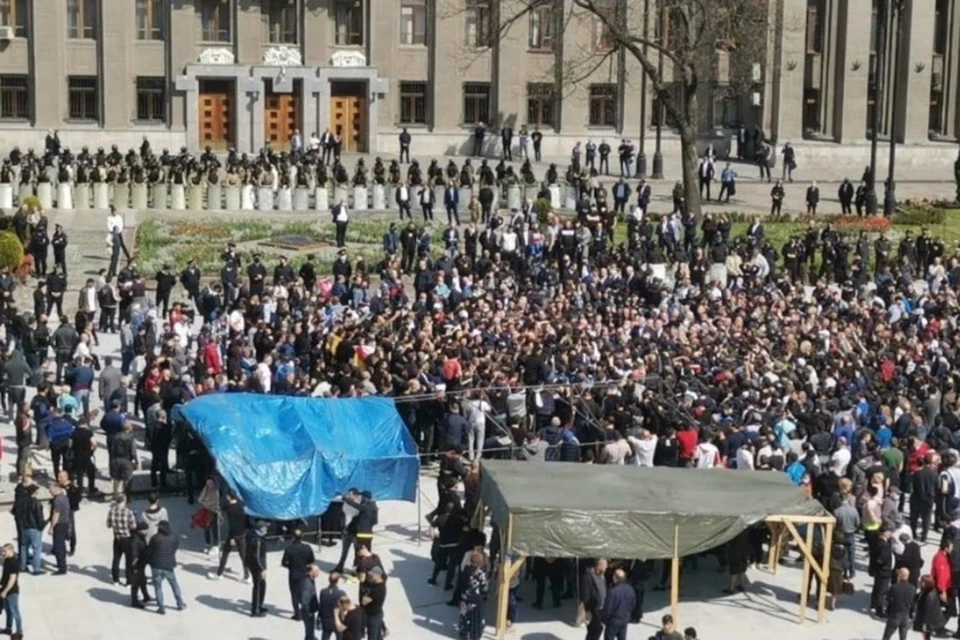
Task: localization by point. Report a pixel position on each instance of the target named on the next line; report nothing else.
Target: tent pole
(827, 548)
(773, 558)
(503, 592)
(675, 577)
(419, 513)
(805, 587)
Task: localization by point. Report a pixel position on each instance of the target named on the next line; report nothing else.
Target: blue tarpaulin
(287, 458)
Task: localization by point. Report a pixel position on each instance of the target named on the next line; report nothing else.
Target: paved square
(84, 605)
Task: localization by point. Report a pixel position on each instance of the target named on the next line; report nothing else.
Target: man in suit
(403, 200)
(405, 145)
(327, 604)
(705, 172)
(883, 569)
(845, 194)
(451, 200)
(426, 202)
(899, 603)
(298, 560)
(593, 593)
(621, 194)
(813, 199)
(756, 232)
(305, 598)
(506, 135)
(644, 192)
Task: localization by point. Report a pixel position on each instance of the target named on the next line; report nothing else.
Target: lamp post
(890, 196)
(641, 154)
(877, 92)
(657, 155)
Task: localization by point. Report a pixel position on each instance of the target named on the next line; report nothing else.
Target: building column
(48, 22)
(249, 97)
(913, 105)
(509, 86)
(951, 78)
(115, 48)
(181, 33)
(316, 34)
(444, 84)
(188, 94)
(384, 44)
(248, 32)
(787, 116)
(853, 71)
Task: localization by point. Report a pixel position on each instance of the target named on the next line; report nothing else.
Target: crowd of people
(830, 359)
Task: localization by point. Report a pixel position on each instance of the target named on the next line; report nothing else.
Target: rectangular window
(541, 99)
(413, 102)
(413, 22)
(151, 100)
(216, 21)
(82, 19)
(725, 108)
(543, 24)
(941, 29)
(13, 13)
(874, 15)
(603, 39)
(814, 27)
(348, 19)
(281, 17)
(603, 105)
(476, 102)
(14, 98)
(150, 19)
(84, 98)
(811, 111)
(478, 21)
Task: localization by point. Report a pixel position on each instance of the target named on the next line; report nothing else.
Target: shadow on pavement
(108, 595)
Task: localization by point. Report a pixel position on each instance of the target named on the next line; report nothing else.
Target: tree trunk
(689, 158)
(688, 149)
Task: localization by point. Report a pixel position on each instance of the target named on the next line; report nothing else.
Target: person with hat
(257, 274)
(255, 561)
(166, 280)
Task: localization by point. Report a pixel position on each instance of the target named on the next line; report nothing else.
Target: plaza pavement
(84, 605)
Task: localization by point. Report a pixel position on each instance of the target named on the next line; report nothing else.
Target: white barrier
(178, 197)
(301, 199)
(138, 196)
(554, 196)
(570, 201)
(45, 195)
(195, 197)
(64, 196)
(265, 199)
(321, 199)
(81, 196)
(6, 196)
(340, 194)
(101, 195)
(160, 196)
(360, 202)
(284, 199)
(214, 197)
(379, 197)
(25, 191)
(246, 198)
(121, 196)
(231, 197)
(514, 201)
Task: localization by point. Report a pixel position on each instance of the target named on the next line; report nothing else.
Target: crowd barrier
(217, 197)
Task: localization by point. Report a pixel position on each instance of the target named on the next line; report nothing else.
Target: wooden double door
(216, 98)
(348, 115)
(281, 117)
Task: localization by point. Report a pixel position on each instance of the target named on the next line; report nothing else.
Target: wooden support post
(675, 577)
(807, 561)
(773, 558)
(503, 592)
(827, 548)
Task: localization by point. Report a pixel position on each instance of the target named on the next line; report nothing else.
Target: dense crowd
(830, 359)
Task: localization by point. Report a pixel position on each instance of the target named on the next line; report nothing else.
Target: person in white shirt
(263, 375)
(745, 457)
(476, 414)
(706, 455)
(508, 241)
(644, 447)
(841, 458)
(114, 220)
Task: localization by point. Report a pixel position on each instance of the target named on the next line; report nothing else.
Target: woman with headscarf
(473, 594)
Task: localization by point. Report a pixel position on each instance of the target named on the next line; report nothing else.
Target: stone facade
(411, 64)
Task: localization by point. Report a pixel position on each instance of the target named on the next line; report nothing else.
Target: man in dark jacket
(593, 594)
(162, 555)
(138, 566)
(256, 563)
(28, 513)
(328, 600)
(297, 559)
(360, 528)
(306, 599)
(899, 605)
(65, 340)
(236, 537)
(618, 606)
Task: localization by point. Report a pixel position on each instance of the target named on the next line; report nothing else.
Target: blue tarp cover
(287, 457)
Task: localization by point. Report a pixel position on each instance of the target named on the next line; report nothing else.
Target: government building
(248, 73)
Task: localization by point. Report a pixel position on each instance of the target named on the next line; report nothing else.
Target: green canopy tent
(593, 511)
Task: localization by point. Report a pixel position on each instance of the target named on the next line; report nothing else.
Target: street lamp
(657, 155)
(641, 154)
(876, 92)
(890, 196)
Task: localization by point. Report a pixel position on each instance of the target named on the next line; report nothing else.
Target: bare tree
(677, 43)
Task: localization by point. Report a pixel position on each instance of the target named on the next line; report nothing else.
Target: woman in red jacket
(943, 577)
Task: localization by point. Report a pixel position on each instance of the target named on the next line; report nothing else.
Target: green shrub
(543, 209)
(920, 212)
(31, 203)
(11, 251)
